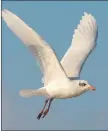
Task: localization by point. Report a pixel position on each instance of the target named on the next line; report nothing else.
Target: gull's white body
(63, 89)
(57, 82)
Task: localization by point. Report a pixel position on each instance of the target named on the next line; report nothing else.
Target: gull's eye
(82, 84)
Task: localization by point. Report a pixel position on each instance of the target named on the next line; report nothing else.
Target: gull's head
(83, 85)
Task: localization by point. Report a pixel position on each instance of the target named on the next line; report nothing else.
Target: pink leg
(40, 114)
(47, 110)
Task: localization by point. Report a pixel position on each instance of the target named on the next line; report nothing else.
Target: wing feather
(51, 67)
(83, 42)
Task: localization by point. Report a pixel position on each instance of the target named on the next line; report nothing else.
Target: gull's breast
(59, 91)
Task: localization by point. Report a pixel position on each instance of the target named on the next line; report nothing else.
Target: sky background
(55, 22)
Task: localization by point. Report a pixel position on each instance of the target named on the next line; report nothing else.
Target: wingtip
(85, 13)
(4, 12)
(88, 14)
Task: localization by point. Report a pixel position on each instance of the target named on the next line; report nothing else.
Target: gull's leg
(47, 110)
(40, 114)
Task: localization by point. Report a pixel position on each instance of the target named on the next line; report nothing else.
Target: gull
(61, 80)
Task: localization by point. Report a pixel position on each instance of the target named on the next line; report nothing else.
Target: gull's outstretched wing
(83, 42)
(51, 67)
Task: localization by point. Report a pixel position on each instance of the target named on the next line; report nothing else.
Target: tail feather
(33, 92)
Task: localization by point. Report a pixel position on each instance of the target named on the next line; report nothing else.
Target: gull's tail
(33, 92)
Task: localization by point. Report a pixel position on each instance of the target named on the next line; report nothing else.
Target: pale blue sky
(55, 22)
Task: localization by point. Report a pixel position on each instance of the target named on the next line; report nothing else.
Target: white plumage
(83, 42)
(57, 82)
(40, 49)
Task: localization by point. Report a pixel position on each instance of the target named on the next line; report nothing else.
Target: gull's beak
(92, 88)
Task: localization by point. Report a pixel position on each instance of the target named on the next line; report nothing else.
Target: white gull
(61, 80)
